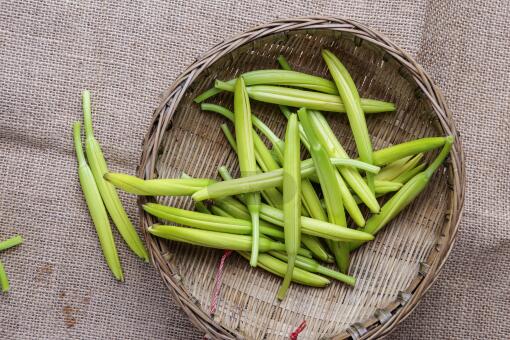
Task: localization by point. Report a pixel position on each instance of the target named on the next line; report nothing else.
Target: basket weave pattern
(393, 272)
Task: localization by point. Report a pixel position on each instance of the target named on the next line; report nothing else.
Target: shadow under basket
(393, 271)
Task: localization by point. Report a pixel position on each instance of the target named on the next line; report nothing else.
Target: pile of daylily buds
(283, 214)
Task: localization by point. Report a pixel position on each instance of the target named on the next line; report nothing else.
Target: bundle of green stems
(285, 213)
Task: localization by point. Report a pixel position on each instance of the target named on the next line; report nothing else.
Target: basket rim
(381, 323)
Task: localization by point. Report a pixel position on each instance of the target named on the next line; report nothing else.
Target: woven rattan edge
(164, 113)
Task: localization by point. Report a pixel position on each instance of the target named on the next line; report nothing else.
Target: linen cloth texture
(127, 54)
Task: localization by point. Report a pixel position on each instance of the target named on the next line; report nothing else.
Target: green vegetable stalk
(267, 163)
(286, 112)
(318, 250)
(4, 279)
(216, 210)
(279, 77)
(395, 169)
(276, 77)
(350, 174)
(355, 114)
(269, 214)
(199, 220)
(406, 176)
(246, 155)
(157, 187)
(263, 128)
(96, 207)
(4, 245)
(229, 136)
(276, 267)
(384, 187)
(11, 242)
(284, 64)
(262, 154)
(330, 144)
(300, 98)
(405, 195)
(271, 195)
(398, 151)
(291, 200)
(203, 209)
(238, 210)
(335, 149)
(277, 217)
(107, 190)
(313, 266)
(312, 204)
(268, 179)
(329, 181)
(310, 199)
(325, 171)
(279, 268)
(213, 239)
(309, 226)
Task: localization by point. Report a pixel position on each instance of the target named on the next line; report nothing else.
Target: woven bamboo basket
(393, 272)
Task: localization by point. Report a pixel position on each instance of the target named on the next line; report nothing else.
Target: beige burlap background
(128, 54)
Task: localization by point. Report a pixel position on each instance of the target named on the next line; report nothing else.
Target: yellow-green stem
(96, 207)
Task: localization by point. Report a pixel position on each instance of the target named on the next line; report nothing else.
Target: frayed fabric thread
(217, 281)
(294, 335)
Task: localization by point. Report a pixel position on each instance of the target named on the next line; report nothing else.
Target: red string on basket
(299, 329)
(217, 281)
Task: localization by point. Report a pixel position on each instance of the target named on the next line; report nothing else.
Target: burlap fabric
(127, 54)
